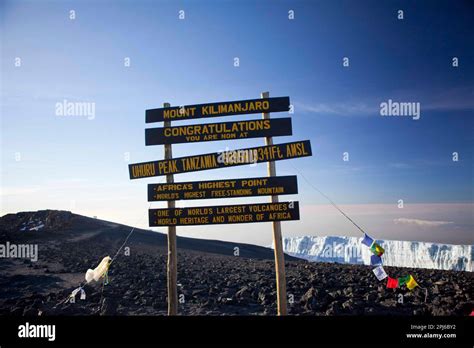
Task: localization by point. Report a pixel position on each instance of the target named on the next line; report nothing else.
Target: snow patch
(397, 253)
(32, 225)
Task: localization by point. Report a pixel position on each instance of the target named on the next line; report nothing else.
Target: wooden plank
(218, 131)
(220, 159)
(229, 108)
(172, 264)
(248, 187)
(277, 240)
(224, 214)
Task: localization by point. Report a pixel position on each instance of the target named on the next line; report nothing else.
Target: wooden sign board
(191, 112)
(223, 159)
(248, 187)
(225, 214)
(218, 131)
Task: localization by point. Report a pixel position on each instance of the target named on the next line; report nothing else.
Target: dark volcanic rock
(212, 280)
(30, 311)
(243, 294)
(310, 299)
(109, 307)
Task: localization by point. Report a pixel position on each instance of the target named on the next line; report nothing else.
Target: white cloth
(99, 271)
(75, 291)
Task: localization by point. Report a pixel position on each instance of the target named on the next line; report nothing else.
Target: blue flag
(375, 260)
(367, 240)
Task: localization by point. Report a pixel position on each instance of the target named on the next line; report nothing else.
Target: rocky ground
(209, 283)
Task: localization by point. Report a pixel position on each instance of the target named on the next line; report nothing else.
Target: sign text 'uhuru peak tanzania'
(220, 159)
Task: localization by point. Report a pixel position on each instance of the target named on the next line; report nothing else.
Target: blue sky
(78, 164)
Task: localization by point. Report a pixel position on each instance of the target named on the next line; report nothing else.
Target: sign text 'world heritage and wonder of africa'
(225, 214)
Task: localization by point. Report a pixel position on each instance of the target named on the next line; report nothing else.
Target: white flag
(380, 273)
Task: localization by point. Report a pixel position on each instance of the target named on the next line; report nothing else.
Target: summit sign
(218, 131)
(224, 188)
(190, 112)
(220, 159)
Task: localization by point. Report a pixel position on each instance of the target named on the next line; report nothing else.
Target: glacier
(397, 253)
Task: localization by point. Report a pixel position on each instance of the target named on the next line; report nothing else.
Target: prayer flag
(367, 240)
(380, 273)
(392, 283)
(403, 280)
(375, 260)
(411, 284)
(377, 249)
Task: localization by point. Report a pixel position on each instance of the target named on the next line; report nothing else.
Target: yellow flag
(411, 284)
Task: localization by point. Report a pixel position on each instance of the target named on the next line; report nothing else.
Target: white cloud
(424, 223)
(13, 191)
(340, 109)
(453, 99)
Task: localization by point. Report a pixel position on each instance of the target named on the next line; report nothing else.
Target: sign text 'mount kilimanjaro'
(218, 131)
(239, 107)
(222, 159)
(263, 186)
(224, 214)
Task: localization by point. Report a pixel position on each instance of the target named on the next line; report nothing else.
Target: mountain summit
(212, 279)
(59, 226)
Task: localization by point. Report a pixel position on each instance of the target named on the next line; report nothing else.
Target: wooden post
(172, 266)
(277, 242)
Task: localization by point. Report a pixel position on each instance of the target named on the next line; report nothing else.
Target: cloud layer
(419, 222)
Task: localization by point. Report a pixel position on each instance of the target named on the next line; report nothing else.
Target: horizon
(151, 229)
(125, 57)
